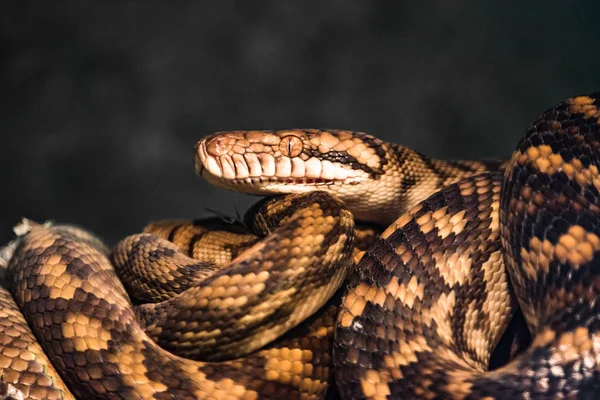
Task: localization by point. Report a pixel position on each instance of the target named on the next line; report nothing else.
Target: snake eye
(290, 146)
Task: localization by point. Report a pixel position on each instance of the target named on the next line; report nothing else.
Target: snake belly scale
(301, 306)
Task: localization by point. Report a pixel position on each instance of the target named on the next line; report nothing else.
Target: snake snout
(198, 166)
(207, 154)
(199, 157)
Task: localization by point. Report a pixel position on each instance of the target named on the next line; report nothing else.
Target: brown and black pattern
(255, 298)
(79, 310)
(24, 367)
(407, 331)
(427, 296)
(170, 256)
(154, 269)
(212, 240)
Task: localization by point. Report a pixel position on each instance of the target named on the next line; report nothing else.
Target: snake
(302, 300)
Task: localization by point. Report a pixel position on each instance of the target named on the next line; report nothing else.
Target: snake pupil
(290, 146)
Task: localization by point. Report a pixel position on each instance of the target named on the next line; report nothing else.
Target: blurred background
(102, 103)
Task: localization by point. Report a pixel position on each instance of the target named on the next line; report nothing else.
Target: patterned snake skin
(223, 312)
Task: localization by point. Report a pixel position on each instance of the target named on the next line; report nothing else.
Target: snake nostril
(218, 146)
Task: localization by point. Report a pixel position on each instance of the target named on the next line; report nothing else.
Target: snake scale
(302, 299)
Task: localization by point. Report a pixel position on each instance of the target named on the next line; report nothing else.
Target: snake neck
(406, 178)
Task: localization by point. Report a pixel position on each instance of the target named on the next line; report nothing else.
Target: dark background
(103, 102)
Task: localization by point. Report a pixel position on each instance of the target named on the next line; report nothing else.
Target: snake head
(289, 161)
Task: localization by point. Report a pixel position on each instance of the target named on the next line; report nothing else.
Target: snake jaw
(274, 186)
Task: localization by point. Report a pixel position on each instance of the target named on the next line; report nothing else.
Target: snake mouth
(258, 181)
(263, 185)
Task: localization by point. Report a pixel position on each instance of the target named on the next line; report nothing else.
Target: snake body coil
(422, 310)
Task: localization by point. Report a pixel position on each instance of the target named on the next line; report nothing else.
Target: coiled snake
(417, 315)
